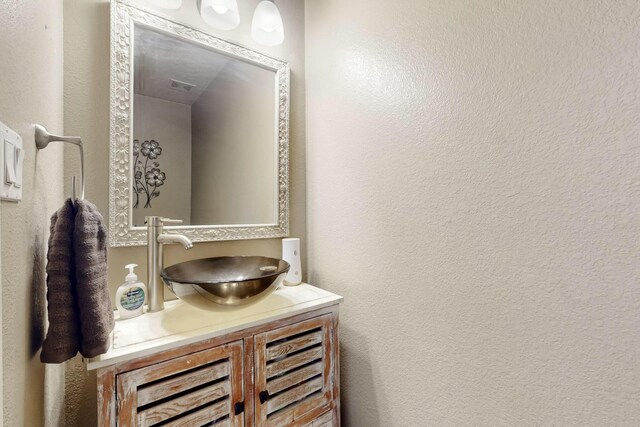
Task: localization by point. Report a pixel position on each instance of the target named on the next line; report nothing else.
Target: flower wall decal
(147, 177)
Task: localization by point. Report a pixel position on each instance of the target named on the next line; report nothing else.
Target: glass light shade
(266, 27)
(166, 4)
(220, 14)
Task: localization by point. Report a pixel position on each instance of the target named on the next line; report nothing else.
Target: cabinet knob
(264, 396)
(238, 408)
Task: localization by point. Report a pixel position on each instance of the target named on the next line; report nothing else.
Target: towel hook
(43, 138)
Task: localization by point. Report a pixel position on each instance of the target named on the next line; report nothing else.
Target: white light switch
(9, 163)
(18, 160)
(11, 158)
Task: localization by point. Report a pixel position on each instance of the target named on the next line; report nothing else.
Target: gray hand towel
(94, 303)
(63, 336)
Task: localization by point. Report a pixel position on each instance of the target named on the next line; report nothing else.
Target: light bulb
(221, 9)
(266, 27)
(166, 4)
(220, 14)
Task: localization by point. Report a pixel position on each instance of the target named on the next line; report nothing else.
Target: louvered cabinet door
(199, 389)
(294, 373)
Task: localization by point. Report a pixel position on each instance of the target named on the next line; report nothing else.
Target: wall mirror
(199, 132)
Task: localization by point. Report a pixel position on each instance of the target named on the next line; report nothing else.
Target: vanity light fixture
(266, 27)
(166, 4)
(220, 14)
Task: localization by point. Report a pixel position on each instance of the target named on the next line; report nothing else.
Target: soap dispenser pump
(131, 295)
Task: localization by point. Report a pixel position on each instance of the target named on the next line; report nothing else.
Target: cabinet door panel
(189, 380)
(294, 373)
(195, 389)
(325, 420)
(203, 417)
(279, 384)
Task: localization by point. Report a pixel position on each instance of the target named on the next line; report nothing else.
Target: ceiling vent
(181, 86)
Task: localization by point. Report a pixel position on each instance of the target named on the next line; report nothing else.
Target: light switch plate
(11, 158)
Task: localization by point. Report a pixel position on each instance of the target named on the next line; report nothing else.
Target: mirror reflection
(205, 146)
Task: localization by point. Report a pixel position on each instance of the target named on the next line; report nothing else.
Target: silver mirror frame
(121, 229)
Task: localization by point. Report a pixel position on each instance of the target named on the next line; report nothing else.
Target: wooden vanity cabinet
(194, 388)
(294, 373)
(283, 373)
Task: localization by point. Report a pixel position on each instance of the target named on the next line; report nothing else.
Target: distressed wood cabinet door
(294, 374)
(202, 388)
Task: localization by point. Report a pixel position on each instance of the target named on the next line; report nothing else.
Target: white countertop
(181, 324)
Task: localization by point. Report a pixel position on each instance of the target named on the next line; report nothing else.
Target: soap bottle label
(132, 299)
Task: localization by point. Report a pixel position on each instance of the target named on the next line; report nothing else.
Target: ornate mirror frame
(121, 230)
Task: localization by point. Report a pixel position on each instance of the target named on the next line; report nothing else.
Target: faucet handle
(170, 221)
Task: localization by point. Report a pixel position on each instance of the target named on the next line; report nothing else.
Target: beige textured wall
(30, 92)
(86, 113)
(169, 123)
(235, 146)
(473, 192)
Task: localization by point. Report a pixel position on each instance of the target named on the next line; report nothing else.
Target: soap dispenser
(131, 296)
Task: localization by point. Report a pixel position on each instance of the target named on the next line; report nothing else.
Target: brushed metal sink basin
(228, 281)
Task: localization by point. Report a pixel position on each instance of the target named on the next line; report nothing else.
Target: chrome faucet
(155, 259)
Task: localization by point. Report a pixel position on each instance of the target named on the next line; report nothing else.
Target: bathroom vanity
(271, 363)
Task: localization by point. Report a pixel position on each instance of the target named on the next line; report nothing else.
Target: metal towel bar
(43, 138)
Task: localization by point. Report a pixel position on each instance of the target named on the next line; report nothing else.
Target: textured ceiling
(159, 59)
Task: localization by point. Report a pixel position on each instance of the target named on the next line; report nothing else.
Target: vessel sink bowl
(232, 280)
